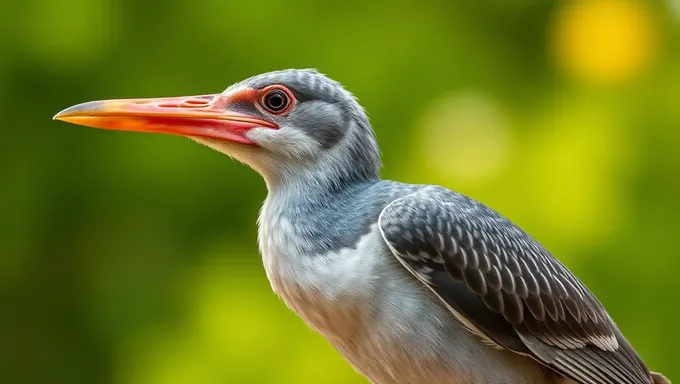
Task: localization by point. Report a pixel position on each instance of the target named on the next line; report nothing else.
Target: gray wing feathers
(439, 235)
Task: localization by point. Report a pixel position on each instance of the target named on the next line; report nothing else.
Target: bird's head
(287, 125)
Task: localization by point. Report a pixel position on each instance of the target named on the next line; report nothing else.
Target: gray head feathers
(326, 138)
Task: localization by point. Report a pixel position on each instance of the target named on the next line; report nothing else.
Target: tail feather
(660, 379)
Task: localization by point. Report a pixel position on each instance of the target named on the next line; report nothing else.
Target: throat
(304, 219)
(308, 182)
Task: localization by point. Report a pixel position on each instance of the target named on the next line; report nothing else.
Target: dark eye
(276, 100)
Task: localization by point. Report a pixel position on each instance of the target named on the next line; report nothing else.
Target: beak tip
(82, 109)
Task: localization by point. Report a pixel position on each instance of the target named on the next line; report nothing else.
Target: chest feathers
(327, 287)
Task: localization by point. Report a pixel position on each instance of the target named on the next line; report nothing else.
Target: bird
(410, 283)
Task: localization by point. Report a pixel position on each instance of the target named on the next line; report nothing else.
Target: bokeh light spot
(231, 329)
(463, 137)
(574, 167)
(229, 316)
(675, 7)
(604, 41)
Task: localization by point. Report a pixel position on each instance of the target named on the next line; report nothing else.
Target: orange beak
(192, 116)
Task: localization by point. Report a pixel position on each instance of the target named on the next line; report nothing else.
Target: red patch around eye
(248, 94)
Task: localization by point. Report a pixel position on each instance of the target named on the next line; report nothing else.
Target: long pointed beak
(193, 116)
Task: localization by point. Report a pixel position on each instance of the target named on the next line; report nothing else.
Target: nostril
(191, 103)
(168, 105)
(196, 102)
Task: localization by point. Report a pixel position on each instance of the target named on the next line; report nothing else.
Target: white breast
(387, 324)
(326, 290)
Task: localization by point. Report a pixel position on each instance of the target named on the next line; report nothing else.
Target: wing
(504, 286)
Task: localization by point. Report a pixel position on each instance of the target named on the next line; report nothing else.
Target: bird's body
(412, 284)
(354, 292)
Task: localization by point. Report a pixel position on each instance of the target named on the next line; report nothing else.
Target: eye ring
(277, 100)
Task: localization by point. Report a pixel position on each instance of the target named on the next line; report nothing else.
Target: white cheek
(285, 140)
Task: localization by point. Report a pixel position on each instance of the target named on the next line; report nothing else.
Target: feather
(483, 265)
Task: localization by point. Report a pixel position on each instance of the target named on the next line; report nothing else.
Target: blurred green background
(132, 258)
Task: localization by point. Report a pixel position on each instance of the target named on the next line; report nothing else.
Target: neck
(306, 211)
(315, 182)
(355, 160)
